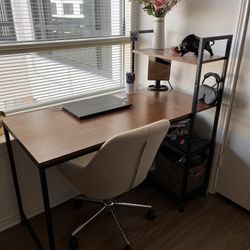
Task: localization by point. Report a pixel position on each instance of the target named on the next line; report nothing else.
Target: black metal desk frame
(45, 194)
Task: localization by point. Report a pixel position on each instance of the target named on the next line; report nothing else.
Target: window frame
(7, 23)
(68, 9)
(53, 8)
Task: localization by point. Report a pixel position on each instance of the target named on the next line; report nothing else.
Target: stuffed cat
(191, 44)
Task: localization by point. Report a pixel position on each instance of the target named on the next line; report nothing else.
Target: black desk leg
(14, 175)
(24, 220)
(46, 203)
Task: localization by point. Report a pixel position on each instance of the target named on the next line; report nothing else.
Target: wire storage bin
(169, 171)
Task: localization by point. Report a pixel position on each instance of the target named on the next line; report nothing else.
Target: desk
(51, 137)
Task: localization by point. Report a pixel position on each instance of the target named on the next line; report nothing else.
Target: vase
(159, 33)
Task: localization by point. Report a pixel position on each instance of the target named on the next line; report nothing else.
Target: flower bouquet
(157, 8)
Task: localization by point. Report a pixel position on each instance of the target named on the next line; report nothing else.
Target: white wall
(28, 175)
(234, 172)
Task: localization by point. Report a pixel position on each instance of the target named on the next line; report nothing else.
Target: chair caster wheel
(127, 247)
(73, 243)
(151, 214)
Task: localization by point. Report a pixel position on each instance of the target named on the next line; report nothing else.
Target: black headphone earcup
(211, 96)
(202, 92)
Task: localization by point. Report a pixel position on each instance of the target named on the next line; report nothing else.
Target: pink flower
(157, 8)
(159, 4)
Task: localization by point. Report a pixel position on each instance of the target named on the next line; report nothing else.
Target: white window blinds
(57, 50)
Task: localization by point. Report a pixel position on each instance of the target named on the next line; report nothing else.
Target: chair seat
(79, 163)
(75, 168)
(83, 161)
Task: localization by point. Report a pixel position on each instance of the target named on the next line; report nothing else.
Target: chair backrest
(123, 161)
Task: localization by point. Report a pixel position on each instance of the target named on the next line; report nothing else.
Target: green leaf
(150, 12)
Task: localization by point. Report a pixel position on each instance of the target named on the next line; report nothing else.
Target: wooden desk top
(50, 137)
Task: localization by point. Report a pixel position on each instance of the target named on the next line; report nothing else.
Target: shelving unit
(197, 106)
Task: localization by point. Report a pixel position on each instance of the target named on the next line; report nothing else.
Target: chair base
(110, 204)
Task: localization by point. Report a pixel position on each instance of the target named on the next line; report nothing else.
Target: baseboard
(36, 209)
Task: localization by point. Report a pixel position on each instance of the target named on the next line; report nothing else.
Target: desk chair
(121, 164)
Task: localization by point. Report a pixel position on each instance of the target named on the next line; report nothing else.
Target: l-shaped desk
(51, 136)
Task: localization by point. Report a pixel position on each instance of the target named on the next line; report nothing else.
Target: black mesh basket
(169, 172)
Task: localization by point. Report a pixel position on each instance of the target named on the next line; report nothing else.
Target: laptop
(94, 106)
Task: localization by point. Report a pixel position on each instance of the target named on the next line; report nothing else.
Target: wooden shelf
(176, 99)
(169, 54)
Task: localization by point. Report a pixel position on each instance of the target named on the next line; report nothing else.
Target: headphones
(209, 93)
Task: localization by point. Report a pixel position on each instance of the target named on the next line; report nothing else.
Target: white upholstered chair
(121, 164)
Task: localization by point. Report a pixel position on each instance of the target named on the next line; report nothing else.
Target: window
(50, 58)
(7, 31)
(68, 9)
(53, 9)
(81, 9)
